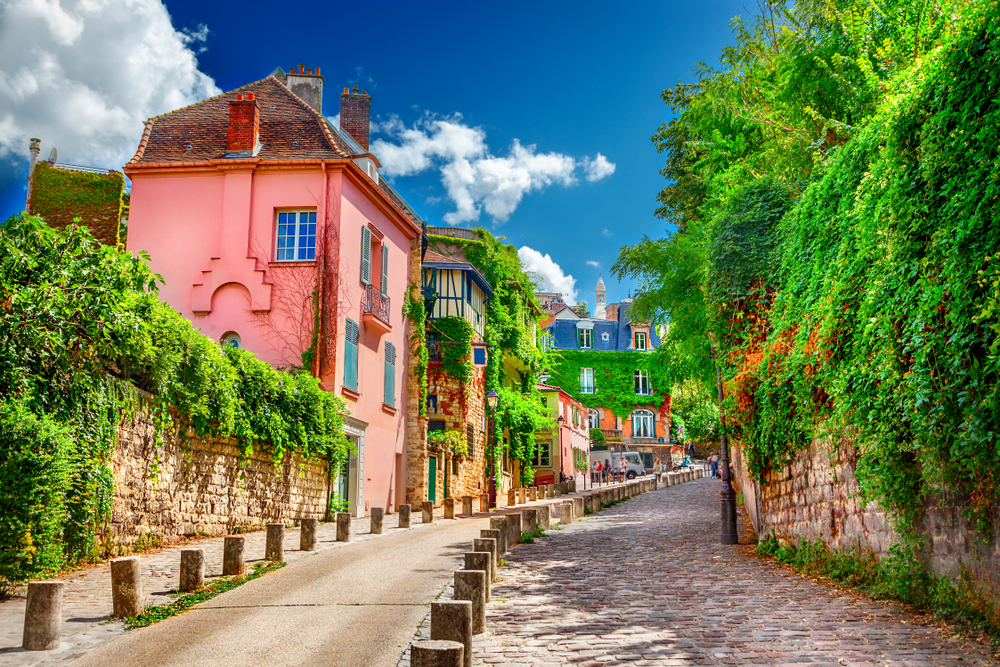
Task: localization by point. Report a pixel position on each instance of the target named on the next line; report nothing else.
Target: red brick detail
(355, 114)
(244, 124)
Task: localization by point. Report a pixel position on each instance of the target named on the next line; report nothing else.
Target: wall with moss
(60, 196)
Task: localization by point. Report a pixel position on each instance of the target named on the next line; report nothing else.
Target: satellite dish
(52, 156)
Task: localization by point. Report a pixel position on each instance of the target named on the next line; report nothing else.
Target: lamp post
(728, 495)
(491, 400)
(562, 462)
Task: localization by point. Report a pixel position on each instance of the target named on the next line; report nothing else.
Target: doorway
(432, 479)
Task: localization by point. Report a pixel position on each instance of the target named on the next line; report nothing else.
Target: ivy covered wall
(61, 196)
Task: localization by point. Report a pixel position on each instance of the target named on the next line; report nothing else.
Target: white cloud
(597, 168)
(83, 75)
(594, 264)
(605, 232)
(474, 179)
(548, 275)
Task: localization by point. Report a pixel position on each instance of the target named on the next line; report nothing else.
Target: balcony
(375, 310)
(612, 434)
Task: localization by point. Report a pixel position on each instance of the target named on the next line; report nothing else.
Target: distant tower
(600, 312)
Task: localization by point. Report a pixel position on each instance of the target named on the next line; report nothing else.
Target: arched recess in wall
(231, 314)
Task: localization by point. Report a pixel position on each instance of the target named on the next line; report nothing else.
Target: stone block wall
(191, 487)
(817, 497)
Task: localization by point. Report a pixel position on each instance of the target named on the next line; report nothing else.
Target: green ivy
(452, 336)
(614, 378)
(60, 196)
(451, 441)
(416, 312)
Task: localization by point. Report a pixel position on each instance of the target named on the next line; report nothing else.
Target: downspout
(317, 366)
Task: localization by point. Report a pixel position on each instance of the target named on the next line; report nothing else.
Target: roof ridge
(318, 115)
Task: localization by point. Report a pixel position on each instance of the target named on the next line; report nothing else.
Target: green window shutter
(385, 270)
(390, 374)
(351, 356)
(366, 255)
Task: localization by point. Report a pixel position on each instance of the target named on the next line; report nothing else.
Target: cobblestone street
(647, 583)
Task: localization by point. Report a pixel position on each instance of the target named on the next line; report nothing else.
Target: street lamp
(491, 400)
(562, 463)
(728, 495)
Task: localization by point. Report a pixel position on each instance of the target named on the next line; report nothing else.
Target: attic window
(605, 337)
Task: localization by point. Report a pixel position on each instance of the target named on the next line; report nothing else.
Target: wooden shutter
(385, 269)
(390, 374)
(366, 255)
(351, 355)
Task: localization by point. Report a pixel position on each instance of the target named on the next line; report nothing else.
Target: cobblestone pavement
(647, 583)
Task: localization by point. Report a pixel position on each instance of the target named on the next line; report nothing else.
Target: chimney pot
(309, 72)
(346, 91)
(249, 96)
(355, 91)
(291, 70)
(301, 68)
(317, 71)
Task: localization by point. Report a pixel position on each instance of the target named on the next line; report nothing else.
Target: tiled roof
(289, 129)
(564, 333)
(541, 386)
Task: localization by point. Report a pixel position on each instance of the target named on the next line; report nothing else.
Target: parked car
(632, 459)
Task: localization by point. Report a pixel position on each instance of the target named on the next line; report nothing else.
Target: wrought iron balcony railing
(375, 303)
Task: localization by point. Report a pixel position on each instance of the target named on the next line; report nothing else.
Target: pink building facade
(273, 231)
(565, 450)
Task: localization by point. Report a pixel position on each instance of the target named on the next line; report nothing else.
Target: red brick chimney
(355, 113)
(244, 124)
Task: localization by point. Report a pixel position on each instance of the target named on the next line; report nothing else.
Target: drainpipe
(33, 151)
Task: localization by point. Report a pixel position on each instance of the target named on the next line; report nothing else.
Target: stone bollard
(533, 493)
(513, 528)
(571, 486)
(522, 495)
(578, 507)
(377, 520)
(428, 508)
(453, 621)
(449, 508)
(436, 653)
(544, 517)
(126, 587)
(192, 570)
(556, 490)
(489, 545)
(595, 503)
(232, 555)
(511, 497)
(529, 519)
(484, 502)
(499, 523)
(343, 526)
(471, 585)
(307, 534)
(480, 560)
(404, 516)
(274, 545)
(543, 491)
(670, 479)
(566, 512)
(501, 539)
(43, 615)
(466, 505)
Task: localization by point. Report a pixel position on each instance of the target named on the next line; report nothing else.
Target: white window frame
(645, 340)
(593, 419)
(643, 424)
(640, 380)
(297, 237)
(543, 454)
(587, 373)
(585, 338)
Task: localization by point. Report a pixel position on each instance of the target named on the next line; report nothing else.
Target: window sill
(388, 409)
(350, 394)
(292, 262)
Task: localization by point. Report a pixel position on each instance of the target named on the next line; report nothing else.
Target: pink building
(273, 231)
(565, 450)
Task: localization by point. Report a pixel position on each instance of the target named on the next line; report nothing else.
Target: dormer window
(641, 340)
(585, 338)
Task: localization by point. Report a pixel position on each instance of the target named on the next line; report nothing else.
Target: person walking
(622, 468)
(691, 450)
(715, 465)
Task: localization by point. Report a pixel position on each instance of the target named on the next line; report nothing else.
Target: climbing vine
(614, 378)
(451, 344)
(416, 312)
(61, 195)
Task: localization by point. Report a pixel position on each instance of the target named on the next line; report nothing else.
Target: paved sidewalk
(647, 583)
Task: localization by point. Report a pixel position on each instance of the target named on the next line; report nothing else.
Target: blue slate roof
(619, 332)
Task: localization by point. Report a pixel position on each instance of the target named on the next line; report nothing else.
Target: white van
(632, 459)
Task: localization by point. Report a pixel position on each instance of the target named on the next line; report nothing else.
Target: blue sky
(574, 80)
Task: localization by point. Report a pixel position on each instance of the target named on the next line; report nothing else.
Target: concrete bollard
(499, 523)
(566, 512)
(500, 536)
(453, 621)
(43, 615)
(449, 508)
(428, 508)
(484, 502)
(571, 486)
(529, 520)
(126, 587)
(377, 520)
(404, 516)
(513, 528)
(192, 570)
(595, 503)
(466, 505)
(436, 653)
(556, 490)
(511, 497)
(232, 555)
(543, 492)
(533, 493)
(471, 585)
(544, 517)
(274, 545)
(343, 527)
(307, 534)
(578, 507)
(480, 560)
(489, 545)
(670, 479)
(522, 495)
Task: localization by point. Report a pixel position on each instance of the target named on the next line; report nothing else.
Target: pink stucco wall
(211, 234)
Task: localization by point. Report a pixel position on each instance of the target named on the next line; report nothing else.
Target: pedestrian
(607, 469)
(715, 465)
(622, 468)
(691, 450)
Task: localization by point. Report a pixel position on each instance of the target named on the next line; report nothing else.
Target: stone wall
(180, 488)
(817, 497)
